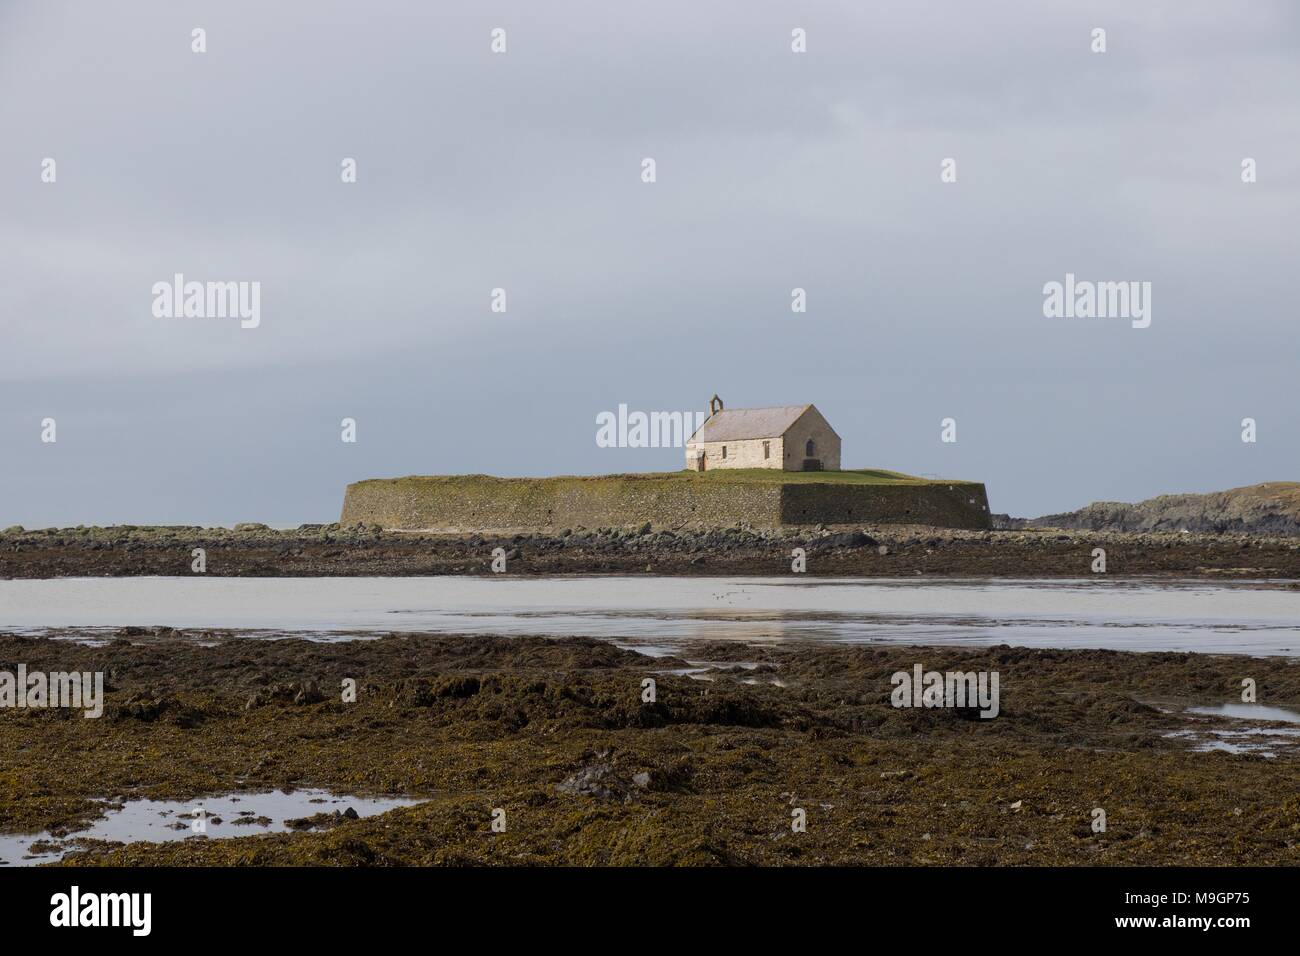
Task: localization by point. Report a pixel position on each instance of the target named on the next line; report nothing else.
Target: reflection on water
(1242, 738)
(1249, 712)
(1251, 740)
(663, 613)
(158, 821)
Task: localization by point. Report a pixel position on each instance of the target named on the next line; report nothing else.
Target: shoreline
(830, 551)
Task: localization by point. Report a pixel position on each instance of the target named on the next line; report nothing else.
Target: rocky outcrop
(1271, 509)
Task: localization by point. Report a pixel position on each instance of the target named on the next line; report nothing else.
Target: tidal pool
(159, 821)
(1244, 737)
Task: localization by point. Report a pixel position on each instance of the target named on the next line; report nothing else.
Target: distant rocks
(846, 539)
(1248, 532)
(1271, 509)
(161, 631)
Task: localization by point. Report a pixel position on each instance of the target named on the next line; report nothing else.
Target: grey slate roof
(738, 424)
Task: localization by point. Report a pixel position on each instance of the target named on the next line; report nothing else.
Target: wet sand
(555, 734)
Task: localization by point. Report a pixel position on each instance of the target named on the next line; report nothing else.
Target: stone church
(786, 437)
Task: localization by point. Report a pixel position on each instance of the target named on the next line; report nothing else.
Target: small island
(757, 497)
(771, 467)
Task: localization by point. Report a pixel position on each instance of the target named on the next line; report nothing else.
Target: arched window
(810, 449)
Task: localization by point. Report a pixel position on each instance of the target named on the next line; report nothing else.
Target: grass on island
(853, 476)
(856, 476)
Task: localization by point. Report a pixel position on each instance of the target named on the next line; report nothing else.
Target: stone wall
(481, 503)
(946, 505)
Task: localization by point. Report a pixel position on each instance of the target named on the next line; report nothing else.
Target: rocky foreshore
(255, 550)
(535, 751)
(1271, 509)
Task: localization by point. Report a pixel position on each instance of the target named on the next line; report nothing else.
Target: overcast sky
(522, 170)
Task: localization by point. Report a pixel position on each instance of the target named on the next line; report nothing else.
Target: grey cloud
(520, 171)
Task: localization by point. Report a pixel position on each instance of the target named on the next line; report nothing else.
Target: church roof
(738, 424)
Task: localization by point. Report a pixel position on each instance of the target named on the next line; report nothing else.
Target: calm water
(1248, 712)
(662, 614)
(1244, 736)
(159, 821)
